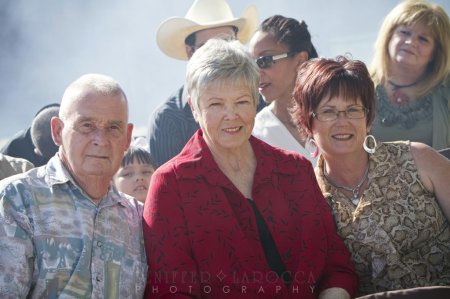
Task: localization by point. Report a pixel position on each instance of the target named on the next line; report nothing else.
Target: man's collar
(57, 174)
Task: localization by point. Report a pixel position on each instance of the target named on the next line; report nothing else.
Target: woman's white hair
(217, 61)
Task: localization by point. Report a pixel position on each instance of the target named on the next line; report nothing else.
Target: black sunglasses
(265, 62)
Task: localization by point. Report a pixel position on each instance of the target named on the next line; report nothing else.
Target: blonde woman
(411, 70)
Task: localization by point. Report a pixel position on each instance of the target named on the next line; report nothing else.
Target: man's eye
(87, 127)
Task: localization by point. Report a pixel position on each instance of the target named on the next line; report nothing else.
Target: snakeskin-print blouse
(397, 234)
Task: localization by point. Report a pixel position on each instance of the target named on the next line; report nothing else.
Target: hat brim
(173, 31)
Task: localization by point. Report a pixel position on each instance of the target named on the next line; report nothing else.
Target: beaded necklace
(397, 86)
(389, 114)
(398, 97)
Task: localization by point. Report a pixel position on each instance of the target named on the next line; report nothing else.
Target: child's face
(133, 179)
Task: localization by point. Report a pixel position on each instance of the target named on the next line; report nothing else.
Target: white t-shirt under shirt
(270, 129)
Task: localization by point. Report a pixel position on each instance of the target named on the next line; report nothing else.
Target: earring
(311, 147)
(372, 141)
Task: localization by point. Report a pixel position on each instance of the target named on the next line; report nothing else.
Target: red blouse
(201, 234)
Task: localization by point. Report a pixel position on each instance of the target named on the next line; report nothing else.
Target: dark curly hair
(290, 32)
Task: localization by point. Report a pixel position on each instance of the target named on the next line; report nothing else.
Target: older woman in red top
(231, 216)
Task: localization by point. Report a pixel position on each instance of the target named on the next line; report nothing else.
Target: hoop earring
(372, 141)
(311, 147)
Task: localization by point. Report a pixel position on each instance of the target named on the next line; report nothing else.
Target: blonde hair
(408, 13)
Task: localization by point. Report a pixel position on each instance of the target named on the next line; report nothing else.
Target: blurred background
(46, 44)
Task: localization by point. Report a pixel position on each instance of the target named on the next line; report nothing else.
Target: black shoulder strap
(270, 249)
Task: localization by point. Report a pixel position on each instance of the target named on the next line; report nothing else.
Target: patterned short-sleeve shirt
(55, 242)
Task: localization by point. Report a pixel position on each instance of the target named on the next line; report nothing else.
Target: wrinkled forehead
(96, 105)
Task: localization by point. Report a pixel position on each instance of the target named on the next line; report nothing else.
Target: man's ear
(57, 126)
(189, 51)
(129, 135)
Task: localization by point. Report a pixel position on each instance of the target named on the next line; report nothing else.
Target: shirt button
(99, 244)
(98, 278)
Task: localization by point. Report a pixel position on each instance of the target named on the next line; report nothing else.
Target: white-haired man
(64, 230)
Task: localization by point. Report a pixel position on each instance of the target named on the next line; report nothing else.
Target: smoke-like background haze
(46, 44)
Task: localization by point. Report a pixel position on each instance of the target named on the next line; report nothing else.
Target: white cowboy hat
(203, 14)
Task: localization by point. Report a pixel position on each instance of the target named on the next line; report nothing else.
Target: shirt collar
(196, 160)
(58, 174)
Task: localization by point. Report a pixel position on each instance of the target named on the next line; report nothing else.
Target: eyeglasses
(330, 114)
(265, 62)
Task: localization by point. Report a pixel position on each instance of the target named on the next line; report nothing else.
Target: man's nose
(100, 136)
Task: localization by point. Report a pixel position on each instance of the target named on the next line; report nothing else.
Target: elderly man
(172, 124)
(64, 230)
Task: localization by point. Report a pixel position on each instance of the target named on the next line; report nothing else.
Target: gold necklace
(355, 191)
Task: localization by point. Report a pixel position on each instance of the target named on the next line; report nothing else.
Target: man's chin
(98, 171)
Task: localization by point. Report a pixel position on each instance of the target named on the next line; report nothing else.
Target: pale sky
(47, 44)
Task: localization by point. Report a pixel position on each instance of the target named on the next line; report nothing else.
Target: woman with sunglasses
(390, 201)
(280, 45)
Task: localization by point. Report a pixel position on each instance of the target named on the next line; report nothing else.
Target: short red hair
(319, 78)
